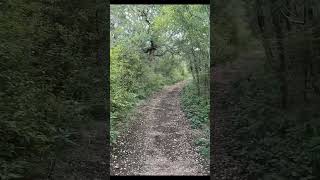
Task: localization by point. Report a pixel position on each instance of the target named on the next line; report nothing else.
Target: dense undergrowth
(196, 109)
(51, 81)
(275, 112)
(145, 56)
(274, 143)
(135, 81)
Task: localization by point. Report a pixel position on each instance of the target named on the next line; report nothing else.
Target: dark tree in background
(290, 34)
(290, 31)
(275, 129)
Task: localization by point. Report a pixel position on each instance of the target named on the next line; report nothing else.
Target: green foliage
(145, 56)
(271, 139)
(133, 80)
(173, 70)
(47, 77)
(231, 33)
(204, 146)
(197, 110)
(196, 107)
(275, 143)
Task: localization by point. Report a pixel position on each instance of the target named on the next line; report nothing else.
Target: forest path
(224, 76)
(159, 141)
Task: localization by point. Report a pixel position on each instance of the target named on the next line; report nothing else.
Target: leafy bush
(195, 106)
(133, 79)
(47, 77)
(197, 110)
(274, 142)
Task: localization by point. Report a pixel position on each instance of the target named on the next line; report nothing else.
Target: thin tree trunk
(282, 70)
(192, 71)
(196, 67)
(264, 24)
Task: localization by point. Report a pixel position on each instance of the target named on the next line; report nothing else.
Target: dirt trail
(223, 166)
(160, 141)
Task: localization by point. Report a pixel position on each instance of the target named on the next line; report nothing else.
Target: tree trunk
(196, 68)
(264, 24)
(192, 71)
(282, 70)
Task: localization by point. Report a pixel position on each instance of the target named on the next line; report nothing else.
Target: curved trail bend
(159, 140)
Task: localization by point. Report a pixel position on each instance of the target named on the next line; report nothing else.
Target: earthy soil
(223, 165)
(159, 141)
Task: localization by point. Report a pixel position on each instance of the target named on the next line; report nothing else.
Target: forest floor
(159, 141)
(224, 76)
(88, 160)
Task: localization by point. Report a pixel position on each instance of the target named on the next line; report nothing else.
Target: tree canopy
(154, 45)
